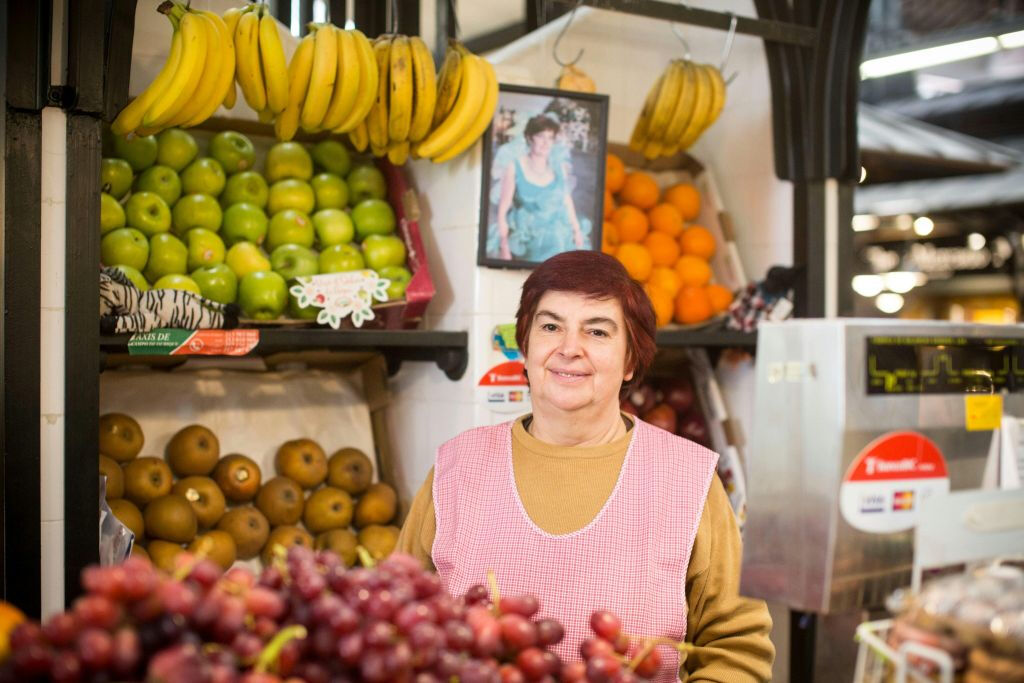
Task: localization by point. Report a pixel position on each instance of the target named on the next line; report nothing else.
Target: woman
(588, 508)
(536, 215)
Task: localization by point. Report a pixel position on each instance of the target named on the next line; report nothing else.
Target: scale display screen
(944, 365)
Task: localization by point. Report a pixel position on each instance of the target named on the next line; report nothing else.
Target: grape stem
(492, 585)
(682, 648)
(272, 652)
(278, 559)
(202, 552)
(365, 558)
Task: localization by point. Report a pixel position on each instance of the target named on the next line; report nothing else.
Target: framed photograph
(543, 176)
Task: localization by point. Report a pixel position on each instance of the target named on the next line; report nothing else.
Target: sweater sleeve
(730, 632)
(417, 535)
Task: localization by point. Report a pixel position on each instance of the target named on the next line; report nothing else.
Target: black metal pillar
(27, 72)
(371, 17)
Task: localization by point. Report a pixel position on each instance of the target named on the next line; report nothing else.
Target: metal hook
(675, 30)
(727, 48)
(394, 16)
(561, 34)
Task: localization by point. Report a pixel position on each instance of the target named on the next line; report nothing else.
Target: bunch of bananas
(196, 78)
(260, 66)
(683, 103)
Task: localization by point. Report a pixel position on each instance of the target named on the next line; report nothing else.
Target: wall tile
(52, 567)
(51, 467)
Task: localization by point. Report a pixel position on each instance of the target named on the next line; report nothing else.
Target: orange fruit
(663, 303)
(720, 298)
(664, 250)
(693, 271)
(609, 204)
(640, 190)
(636, 259)
(614, 173)
(697, 241)
(685, 198)
(631, 222)
(609, 238)
(693, 305)
(666, 218)
(666, 279)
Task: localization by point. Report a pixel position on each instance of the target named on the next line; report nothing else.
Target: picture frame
(546, 189)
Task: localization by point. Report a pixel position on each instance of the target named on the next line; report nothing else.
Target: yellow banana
(265, 116)
(130, 118)
(321, 80)
(275, 67)
(468, 104)
(366, 94)
(717, 95)
(482, 120)
(701, 108)
(358, 136)
(425, 89)
(638, 139)
(186, 76)
(398, 152)
(448, 85)
(219, 73)
(299, 70)
(377, 119)
(684, 107)
(346, 82)
(231, 18)
(226, 74)
(668, 96)
(248, 70)
(400, 85)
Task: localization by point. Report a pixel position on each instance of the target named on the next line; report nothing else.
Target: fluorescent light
(868, 285)
(864, 222)
(931, 56)
(976, 241)
(888, 302)
(900, 281)
(904, 221)
(923, 226)
(1012, 40)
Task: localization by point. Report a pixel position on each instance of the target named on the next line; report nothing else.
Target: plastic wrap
(115, 538)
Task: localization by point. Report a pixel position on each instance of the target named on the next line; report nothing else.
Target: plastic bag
(115, 538)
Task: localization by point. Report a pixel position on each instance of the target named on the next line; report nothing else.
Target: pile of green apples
(213, 225)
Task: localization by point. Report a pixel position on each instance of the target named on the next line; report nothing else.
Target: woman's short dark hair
(539, 124)
(598, 276)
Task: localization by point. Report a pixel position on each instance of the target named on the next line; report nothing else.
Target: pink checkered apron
(631, 558)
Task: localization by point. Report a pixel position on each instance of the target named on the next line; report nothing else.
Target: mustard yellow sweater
(563, 489)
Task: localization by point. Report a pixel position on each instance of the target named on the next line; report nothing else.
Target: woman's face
(540, 143)
(576, 352)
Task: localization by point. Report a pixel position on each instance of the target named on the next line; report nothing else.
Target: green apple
(373, 217)
(288, 160)
(244, 222)
(301, 312)
(160, 180)
(248, 187)
(148, 212)
(289, 227)
(341, 258)
(381, 251)
(139, 150)
(399, 276)
(197, 211)
(167, 256)
(365, 181)
(291, 194)
(175, 148)
(111, 214)
(137, 278)
(333, 226)
(217, 283)
(124, 247)
(330, 190)
(332, 156)
(203, 176)
(244, 258)
(115, 177)
(178, 281)
(262, 295)
(205, 248)
(291, 261)
(233, 150)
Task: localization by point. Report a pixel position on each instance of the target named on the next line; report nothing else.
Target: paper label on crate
(886, 482)
(340, 295)
(175, 342)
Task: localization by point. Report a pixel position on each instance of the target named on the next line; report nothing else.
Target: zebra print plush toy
(124, 308)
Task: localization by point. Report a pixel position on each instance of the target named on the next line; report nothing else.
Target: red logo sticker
(899, 455)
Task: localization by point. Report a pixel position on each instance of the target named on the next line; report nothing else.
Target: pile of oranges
(651, 233)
